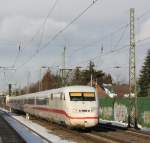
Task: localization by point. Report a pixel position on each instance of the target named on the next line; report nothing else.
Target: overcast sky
(32, 24)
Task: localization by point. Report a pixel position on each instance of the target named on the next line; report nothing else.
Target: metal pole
(64, 58)
(40, 81)
(28, 81)
(63, 70)
(64, 66)
(91, 72)
(9, 88)
(91, 79)
(132, 70)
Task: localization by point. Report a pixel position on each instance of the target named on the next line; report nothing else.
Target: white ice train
(74, 106)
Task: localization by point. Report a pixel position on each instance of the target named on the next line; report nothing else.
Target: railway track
(77, 135)
(125, 129)
(101, 134)
(104, 133)
(124, 135)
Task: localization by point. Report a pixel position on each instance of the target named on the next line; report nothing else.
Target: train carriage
(74, 106)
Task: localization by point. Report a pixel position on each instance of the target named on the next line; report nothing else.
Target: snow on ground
(41, 130)
(116, 123)
(4, 110)
(28, 135)
(121, 124)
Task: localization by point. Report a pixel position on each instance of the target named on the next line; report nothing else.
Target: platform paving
(7, 133)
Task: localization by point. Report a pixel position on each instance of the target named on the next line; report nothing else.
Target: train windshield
(82, 96)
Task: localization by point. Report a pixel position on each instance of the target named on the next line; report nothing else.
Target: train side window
(26, 101)
(46, 101)
(51, 96)
(61, 96)
(42, 101)
(30, 101)
(64, 96)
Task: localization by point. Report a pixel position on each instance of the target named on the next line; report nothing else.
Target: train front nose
(84, 123)
(84, 116)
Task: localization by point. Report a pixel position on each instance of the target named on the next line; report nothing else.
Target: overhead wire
(106, 53)
(8, 41)
(115, 50)
(42, 26)
(59, 33)
(121, 37)
(124, 26)
(66, 27)
(143, 15)
(104, 37)
(5, 78)
(44, 23)
(17, 56)
(141, 40)
(118, 49)
(109, 52)
(116, 45)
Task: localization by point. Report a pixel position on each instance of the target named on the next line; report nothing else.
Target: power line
(60, 32)
(5, 78)
(115, 50)
(44, 23)
(45, 20)
(143, 15)
(9, 41)
(106, 53)
(39, 29)
(116, 45)
(67, 26)
(117, 30)
(17, 55)
(104, 37)
(4, 71)
(121, 37)
(141, 40)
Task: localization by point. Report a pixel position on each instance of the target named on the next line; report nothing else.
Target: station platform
(7, 133)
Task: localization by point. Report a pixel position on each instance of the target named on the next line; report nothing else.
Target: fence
(117, 109)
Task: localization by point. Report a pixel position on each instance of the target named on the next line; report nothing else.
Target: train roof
(80, 88)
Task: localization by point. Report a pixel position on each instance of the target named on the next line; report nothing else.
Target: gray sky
(21, 21)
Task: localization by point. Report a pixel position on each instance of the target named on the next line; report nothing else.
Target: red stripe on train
(62, 112)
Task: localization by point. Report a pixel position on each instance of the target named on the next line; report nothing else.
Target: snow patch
(115, 123)
(27, 134)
